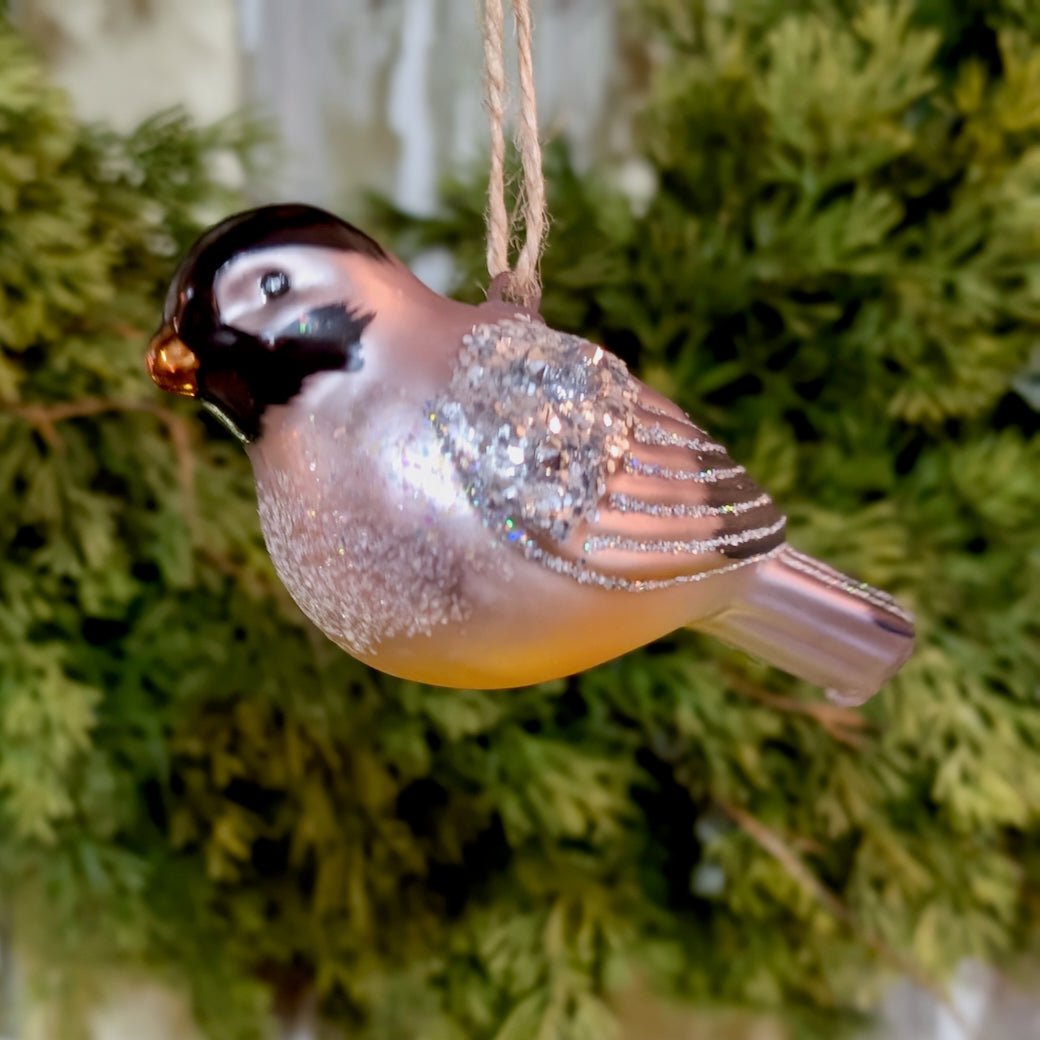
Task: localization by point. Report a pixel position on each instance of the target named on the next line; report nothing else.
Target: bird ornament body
(462, 496)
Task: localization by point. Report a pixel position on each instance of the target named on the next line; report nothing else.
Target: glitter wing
(591, 472)
(676, 508)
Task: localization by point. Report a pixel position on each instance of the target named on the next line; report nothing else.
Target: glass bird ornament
(461, 495)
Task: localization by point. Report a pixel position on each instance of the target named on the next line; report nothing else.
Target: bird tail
(818, 624)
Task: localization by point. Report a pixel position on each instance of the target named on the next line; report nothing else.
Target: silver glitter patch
(631, 504)
(587, 576)
(699, 476)
(644, 434)
(535, 420)
(696, 546)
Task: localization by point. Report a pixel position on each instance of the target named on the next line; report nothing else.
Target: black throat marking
(243, 374)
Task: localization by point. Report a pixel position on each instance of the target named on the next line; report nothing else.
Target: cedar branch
(45, 418)
(771, 842)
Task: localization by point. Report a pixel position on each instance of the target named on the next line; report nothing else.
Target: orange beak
(172, 365)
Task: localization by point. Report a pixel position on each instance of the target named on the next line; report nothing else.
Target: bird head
(261, 302)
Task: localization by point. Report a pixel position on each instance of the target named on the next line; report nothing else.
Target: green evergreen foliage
(839, 275)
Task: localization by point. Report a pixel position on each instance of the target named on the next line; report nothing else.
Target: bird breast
(457, 532)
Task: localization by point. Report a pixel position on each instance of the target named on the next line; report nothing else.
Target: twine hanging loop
(522, 282)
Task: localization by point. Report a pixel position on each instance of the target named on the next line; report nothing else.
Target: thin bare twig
(45, 418)
(846, 725)
(772, 843)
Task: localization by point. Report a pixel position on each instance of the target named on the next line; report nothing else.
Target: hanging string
(498, 224)
(522, 283)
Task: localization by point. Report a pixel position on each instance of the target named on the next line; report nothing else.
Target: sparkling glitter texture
(359, 526)
(535, 420)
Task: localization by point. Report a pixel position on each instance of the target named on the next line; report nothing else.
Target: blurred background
(748, 197)
(360, 96)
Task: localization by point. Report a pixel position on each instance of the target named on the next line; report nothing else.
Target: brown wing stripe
(673, 413)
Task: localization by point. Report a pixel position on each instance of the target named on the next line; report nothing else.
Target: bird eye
(274, 284)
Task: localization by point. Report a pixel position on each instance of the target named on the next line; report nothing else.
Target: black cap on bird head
(239, 371)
